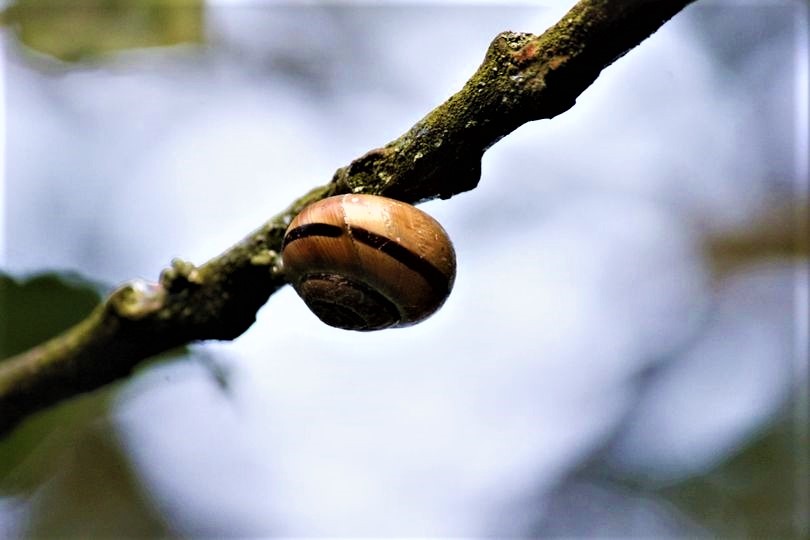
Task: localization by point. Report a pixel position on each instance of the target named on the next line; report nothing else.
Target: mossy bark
(523, 77)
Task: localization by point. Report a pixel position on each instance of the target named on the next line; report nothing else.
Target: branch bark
(523, 77)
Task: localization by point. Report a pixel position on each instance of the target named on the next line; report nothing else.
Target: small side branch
(523, 77)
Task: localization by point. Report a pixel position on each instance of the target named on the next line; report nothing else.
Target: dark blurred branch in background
(783, 233)
(524, 77)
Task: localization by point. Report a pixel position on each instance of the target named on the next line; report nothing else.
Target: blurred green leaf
(74, 30)
(67, 461)
(756, 493)
(95, 494)
(33, 310)
(38, 308)
(35, 451)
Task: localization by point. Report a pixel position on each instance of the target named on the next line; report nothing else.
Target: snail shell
(364, 262)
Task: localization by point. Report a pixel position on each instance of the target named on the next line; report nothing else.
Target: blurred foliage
(34, 452)
(66, 461)
(38, 308)
(783, 233)
(74, 30)
(95, 494)
(758, 493)
(31, 311)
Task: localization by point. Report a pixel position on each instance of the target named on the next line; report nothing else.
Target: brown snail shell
(365, 262)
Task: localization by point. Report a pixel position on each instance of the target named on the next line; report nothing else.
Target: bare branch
(524, 77)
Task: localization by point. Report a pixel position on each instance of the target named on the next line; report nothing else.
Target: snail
(365, 262)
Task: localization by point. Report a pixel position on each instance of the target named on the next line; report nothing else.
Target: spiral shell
(364, 262)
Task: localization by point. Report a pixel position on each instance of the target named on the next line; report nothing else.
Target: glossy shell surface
(364, 262)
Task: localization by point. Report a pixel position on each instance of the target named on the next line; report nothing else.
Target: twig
(524, 77)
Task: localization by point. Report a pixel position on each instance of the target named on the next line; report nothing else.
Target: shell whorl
(345, 303)
(363, 262)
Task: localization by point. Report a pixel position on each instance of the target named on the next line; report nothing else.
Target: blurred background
(625, 350)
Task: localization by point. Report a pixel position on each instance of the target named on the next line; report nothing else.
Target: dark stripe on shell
(437, 280)
(435, 277)
(312, 229)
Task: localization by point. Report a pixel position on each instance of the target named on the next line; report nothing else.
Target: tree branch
(523, 77)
